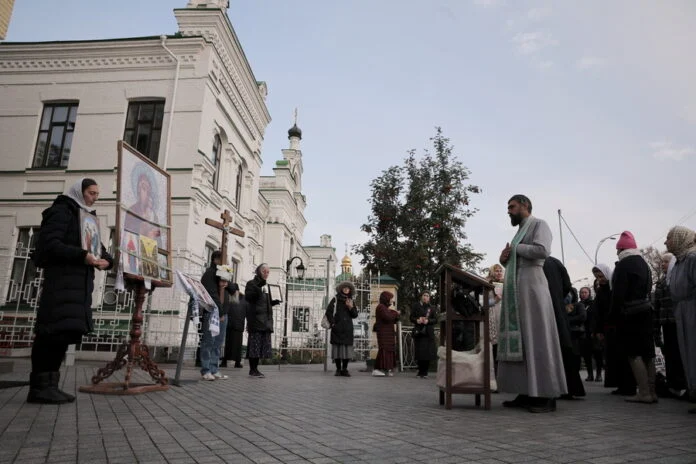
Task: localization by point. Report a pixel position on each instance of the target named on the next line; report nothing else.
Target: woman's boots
(43, 389)
(645, 378)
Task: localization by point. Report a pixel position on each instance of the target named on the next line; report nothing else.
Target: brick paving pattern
(301, 414)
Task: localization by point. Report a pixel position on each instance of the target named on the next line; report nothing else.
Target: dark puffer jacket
(259, 309)
(340, 316)
(66, 298)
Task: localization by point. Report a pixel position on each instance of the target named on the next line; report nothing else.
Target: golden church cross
(224, 226)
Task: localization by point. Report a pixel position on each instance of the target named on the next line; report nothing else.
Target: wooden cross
(224, 226)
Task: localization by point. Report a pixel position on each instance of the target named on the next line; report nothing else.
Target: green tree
(419, 213)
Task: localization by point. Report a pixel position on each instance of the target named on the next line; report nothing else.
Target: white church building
(191, 103)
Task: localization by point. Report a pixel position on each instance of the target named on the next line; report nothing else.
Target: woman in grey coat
(681, 242)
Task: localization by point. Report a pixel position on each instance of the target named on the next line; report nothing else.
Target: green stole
(510, 335)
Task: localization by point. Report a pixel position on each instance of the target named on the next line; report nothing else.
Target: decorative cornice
(106, 55)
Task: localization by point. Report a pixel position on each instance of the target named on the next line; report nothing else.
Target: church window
(238, 188)
(144, 127)
(55, 135)
(209, 249)
(215, 159)
(235, 270)
(300, 319)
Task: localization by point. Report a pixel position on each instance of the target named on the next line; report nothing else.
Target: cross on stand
(224, 226)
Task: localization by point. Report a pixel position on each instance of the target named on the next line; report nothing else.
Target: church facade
(189, 102)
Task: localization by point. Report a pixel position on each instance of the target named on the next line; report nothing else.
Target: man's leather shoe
(522, 401)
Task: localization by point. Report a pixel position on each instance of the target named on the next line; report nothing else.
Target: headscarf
(606, 270)
(491, 271)
(75, 193)
(683, 241)
(257, 272)
(385, 298)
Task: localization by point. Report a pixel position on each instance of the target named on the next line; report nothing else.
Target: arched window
(238, 188)
(215, 159)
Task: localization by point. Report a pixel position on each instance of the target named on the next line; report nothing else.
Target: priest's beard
(516, 219)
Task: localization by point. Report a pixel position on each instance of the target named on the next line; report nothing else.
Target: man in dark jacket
(560, 286)
(216, 280)
(65, 308)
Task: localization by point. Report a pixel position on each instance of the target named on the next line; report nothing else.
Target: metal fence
(297, 333)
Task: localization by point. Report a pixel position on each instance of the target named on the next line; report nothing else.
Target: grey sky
(588, 107)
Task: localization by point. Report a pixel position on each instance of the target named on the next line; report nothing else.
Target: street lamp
(609, 237)
(300, 275)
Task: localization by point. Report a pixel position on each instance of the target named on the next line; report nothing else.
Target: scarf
(670, 268)
(510, 335)
(683, 241)
(75, 193)
(629, 252)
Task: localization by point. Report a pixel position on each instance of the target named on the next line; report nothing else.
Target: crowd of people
(546, 327)
(541, 328)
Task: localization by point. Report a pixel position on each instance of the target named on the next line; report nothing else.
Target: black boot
(54, 379)
(42, 391)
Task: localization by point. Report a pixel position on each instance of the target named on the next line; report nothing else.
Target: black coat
(65, 306)
(210, 281)
(600, 307)
(559, 286)
(341, 319)
(237, 315)
(591, 319)
(632, 280)
(424, 346)
(259, 312)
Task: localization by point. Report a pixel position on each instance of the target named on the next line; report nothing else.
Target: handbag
(419, 331)
(325, 324)
(635, 307)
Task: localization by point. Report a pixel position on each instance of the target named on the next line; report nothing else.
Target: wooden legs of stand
(134, 353)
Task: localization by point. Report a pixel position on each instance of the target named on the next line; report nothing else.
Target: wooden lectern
(471, 283)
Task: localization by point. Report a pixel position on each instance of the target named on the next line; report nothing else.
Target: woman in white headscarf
(681, 242)
(65, 308)
(615, 367)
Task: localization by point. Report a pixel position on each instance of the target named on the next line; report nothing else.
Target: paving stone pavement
(301, 414)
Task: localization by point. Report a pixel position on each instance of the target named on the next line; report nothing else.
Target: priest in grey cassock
(529, 353)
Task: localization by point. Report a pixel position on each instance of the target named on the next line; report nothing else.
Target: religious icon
(201, 293)
(130, 252)
(148, 258)
(164, 271)
(89, 233)
(143, 199)
(275, 292)
(143, 219)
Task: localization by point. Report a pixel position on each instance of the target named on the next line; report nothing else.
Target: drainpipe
(163, 39)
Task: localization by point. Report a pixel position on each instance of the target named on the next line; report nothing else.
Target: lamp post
(300, 275)
(609, 237)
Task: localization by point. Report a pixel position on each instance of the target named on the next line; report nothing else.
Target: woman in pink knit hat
(632, 286)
